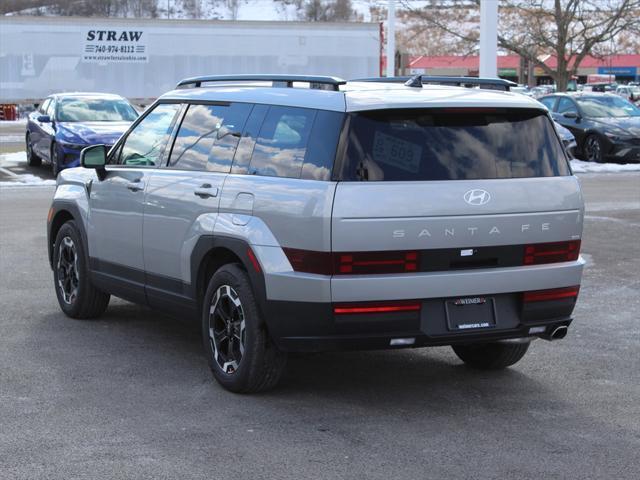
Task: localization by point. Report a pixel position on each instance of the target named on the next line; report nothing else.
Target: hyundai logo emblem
(477, 197)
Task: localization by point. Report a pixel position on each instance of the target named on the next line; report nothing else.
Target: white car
(629, 92)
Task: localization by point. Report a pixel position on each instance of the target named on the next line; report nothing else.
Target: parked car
(522, 89)
(629, 92)
(346, 215)
(600, 87)
(568, 140)
(606, 126)
(541, 90)
(65, 123)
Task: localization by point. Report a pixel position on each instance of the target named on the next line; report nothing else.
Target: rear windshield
(451, 144)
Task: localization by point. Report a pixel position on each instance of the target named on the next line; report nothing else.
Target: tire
(77, 296)
(593, 149)
(491, 356)
(55, 165)
(240, 353)
(33, 160)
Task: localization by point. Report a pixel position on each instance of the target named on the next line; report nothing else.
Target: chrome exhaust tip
(556, 333)
(559, 333)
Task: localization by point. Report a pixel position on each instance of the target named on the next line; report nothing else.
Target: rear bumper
(313, 327)
(287, 285)
(299, 306)
(383, 342)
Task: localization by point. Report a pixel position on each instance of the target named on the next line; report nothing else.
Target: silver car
(299, 214)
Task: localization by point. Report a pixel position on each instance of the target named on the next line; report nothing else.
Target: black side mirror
(573, 115)
(95, 157)
(44, 118)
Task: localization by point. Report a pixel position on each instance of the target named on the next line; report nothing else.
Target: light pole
(391, 39)
(489, 38)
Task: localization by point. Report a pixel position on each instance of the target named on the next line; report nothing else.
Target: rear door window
(451, 144)
(208, 137)
(242, 158)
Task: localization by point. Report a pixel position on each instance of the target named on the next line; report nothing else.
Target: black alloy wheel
(227, 329)
(68, 276)
(241, 354)
(32, 159)
(77, 296)
(55, 165)
(593, 149)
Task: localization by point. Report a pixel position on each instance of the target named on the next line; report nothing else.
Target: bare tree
(327, 11)
(568, 30)
(11, 6)
(234, 7)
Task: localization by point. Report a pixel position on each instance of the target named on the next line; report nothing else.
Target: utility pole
(391, 39)
(489, 38)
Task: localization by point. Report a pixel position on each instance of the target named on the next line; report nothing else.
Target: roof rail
(315, 81)
(487, 83)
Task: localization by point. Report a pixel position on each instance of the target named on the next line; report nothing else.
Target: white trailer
(142, 58)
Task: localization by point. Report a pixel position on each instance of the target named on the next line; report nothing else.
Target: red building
(626, 68)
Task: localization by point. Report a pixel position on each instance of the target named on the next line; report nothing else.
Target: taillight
(310, 261)
(552, 294)
(376, 262)
(539, 253)
(377, 307)
(352, 263)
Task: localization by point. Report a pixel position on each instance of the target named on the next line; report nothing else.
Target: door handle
(206, 191)
(135, 185)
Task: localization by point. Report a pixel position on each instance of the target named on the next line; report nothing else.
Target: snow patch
(11, 138)
(27, 180)
(15, 157)
(21, 121)
(580, 166)
(22, 179)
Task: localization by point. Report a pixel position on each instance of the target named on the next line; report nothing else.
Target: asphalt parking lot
(130, 395)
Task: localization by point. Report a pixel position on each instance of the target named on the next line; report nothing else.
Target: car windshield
(83, 109)
(598, 107)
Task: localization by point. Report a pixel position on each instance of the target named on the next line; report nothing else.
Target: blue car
(66, 123)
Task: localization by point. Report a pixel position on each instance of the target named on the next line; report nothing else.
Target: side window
(43, 106)
(248, 140)
(548, 102)
(566, 105)
(146, 142)
(51, 109)
(282, 143)
(321, 151)
(208, 137)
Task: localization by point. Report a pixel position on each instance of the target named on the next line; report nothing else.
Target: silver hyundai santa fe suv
(297, 214)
